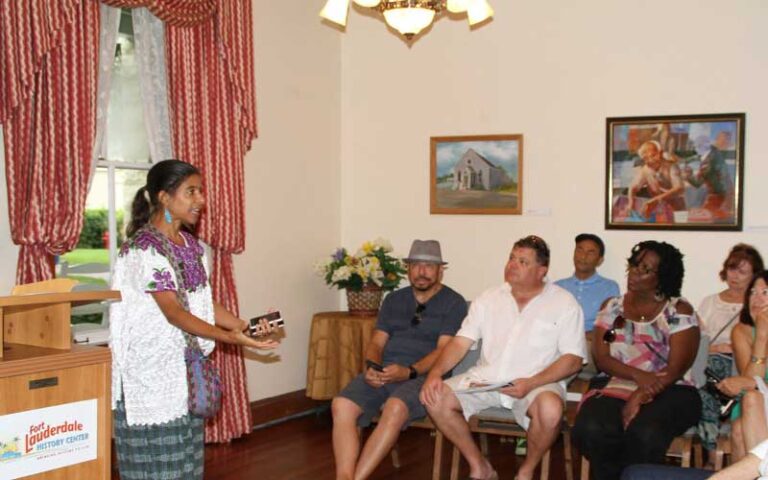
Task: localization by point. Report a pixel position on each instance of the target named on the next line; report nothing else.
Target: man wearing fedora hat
(532, 334)
(413, 326)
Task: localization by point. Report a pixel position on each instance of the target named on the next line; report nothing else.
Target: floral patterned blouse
(148, 369)
(645, 345)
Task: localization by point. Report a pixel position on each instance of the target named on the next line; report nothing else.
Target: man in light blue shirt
(589, 288)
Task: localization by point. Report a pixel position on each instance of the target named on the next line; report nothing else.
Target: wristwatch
(414, 373)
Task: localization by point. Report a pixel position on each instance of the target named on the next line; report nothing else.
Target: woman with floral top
(161, 272)
(645, 341)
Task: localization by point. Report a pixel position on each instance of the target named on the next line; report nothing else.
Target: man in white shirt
(532, 341)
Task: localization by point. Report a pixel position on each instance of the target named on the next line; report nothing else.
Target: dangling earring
(167, 216)
(658, 296)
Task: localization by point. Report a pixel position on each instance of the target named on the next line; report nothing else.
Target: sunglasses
(610, 335)
(417, 315)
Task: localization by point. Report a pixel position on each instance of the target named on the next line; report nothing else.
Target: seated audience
(646, 341)
(588, 287)
(750, 348)
(414, 324)
(532, 340)
(718, 313)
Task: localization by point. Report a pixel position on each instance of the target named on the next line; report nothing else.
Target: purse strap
(712, 340)
(165, 248)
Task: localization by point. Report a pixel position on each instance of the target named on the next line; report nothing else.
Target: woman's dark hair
(671, 270)
(165, 176)
(741, 252)
(745, 316)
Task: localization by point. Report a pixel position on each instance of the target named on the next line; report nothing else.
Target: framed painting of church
(682, 172)
(479, 174)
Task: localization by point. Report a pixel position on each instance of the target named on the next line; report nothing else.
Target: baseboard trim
(269, 411)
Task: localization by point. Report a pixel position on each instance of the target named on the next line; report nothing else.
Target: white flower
(321, 266)
(342, 273)
(382, 243)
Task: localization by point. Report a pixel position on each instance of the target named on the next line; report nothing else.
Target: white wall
(552, 71)
(292, 183)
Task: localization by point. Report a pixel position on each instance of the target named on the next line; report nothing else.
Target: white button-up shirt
(520, 344)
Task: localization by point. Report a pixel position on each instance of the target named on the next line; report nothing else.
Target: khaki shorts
(472, 403)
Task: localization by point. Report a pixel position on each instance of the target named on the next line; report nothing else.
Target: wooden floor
(301, 449)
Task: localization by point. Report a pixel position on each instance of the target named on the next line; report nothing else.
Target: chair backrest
(469, 360)
(86, 271)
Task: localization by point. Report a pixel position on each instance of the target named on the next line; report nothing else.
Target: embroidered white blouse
(148, 369)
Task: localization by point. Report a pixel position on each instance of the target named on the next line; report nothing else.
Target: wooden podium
(40, 368)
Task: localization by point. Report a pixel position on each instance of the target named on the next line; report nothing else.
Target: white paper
(477, 387)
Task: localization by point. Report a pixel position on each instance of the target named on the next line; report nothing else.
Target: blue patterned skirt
(168, 451)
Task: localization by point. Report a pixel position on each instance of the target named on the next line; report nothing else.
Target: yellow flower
(367, 248)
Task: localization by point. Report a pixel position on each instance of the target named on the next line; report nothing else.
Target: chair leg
(455, 463)
(395, 454)
(545, 465)
(698, 455)
(484, 444)
(718, 460)
(584, 468)
(568, 454)
(437, 463)
(685, 458)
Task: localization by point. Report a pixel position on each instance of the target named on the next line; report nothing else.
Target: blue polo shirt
(590, 293)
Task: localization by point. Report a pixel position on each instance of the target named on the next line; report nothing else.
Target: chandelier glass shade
(409, 17)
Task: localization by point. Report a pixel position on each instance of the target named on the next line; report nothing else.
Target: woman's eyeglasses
(417, 315)
(640, 268)
(610, 335)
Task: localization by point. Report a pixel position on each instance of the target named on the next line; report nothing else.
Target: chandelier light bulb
(478, 11)
(367, 3)
(409, 21)
(336, 11)
(457, 6)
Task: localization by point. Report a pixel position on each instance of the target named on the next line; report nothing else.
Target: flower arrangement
(372, 264)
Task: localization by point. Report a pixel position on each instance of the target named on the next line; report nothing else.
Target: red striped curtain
(210, 70)
(49, 62)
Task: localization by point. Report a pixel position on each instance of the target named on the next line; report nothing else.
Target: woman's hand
(263, 328)
(733, 386)
(649, 382)
(239, 338)
(761, 319)
(632, 407)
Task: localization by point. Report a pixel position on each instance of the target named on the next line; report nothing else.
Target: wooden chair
(501, 421)
(723, 449)
(680, 448)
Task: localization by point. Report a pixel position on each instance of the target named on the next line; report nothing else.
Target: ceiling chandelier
(409, 17)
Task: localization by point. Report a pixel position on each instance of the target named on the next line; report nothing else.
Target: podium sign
(48, 438)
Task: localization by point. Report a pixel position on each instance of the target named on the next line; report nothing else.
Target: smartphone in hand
(275, 320)
(374, 365)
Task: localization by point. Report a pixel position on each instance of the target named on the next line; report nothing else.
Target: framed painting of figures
(480, 174)
(682, 172)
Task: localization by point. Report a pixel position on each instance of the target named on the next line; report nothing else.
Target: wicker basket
(366, 302)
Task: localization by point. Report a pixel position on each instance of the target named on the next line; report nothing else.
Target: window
(120, 170)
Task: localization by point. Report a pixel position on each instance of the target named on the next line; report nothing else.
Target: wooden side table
(337, 344)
